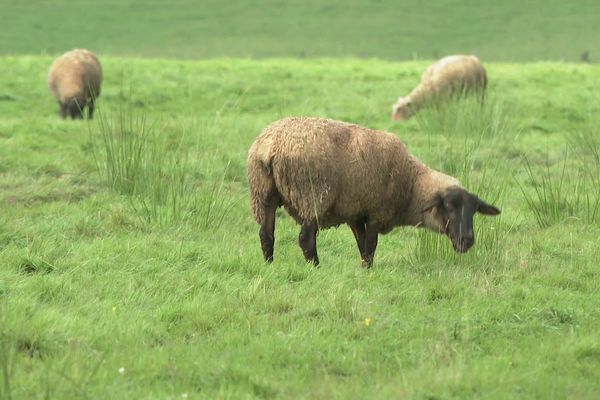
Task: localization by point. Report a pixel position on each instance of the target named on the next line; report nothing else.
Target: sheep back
(77, 74)
(451, 75)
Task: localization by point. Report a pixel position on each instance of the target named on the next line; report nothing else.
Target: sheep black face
(454, 210)
(76, 109)
(72, 108)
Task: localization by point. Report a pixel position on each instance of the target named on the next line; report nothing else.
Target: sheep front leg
(371, 236)
(91, 107)
(308, 241)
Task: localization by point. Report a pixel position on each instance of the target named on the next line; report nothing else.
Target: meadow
(507, 30)
(131, 266)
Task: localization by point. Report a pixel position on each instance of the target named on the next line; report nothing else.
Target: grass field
(130, 264)
(142, 277)
(508, 30)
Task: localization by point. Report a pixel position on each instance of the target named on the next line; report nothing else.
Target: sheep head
(451, 212)
(74, 108)
(402, 110)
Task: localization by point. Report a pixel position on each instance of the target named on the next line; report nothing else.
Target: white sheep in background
(74, 80)
(450, 76)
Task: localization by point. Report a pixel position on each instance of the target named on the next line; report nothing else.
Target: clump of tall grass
(488, 118)
(571, 192)
(127, 153)
(177, 198)
(548, 203)
(158, 181)
(462, 133)
(586, 146)
(571, 189)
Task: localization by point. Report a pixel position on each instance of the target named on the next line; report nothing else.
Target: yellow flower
(114, 309)
(368, 321)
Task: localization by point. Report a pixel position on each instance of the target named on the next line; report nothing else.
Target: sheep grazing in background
(450, 76)
(327, 173)
(74, 80)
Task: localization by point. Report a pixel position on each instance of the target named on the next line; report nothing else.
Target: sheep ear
(437, 201)
(485, 208)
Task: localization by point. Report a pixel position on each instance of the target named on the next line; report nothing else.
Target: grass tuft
(489, 119)
(158, 182)
(461, 133)
(563, 193)
(136, 310)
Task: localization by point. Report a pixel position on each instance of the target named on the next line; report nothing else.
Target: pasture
(150, 283)
(130, 264)
(509, 30)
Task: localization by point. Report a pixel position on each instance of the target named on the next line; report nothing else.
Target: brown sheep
(327, 173)
(452, 75)
(74, 80)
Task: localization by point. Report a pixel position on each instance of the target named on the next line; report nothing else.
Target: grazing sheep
(452, 75)
(327, 173)
(74, 80)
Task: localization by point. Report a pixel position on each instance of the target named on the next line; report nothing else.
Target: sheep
(326, 173)
(452, 75)
(74, 80)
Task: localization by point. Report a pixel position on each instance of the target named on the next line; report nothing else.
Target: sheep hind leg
(371, 236)
(267, 232)
(64, 111)
(358, 229)
(308, 241)
(91, 107)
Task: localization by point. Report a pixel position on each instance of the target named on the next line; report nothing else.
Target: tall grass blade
(158, 183)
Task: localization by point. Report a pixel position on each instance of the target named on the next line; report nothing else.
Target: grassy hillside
(508, 30)
(149, 283)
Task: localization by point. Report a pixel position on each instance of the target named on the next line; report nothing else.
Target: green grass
(134, 160)
(507, 30)
(102, 298)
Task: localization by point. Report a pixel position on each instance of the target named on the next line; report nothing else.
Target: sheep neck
(427, 183)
